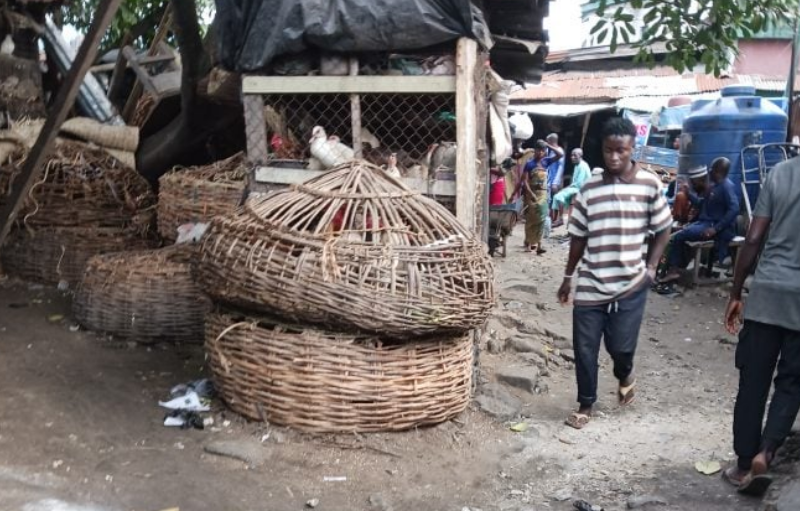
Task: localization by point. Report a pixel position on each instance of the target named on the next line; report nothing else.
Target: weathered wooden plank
(348, 84)
(283, 176)
(61, 107)
(466, 130)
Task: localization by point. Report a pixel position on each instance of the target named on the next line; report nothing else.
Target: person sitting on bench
(719, 207)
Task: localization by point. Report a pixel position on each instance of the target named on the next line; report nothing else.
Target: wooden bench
(704, 248)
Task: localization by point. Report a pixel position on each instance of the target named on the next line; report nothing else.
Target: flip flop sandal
(577, 420)
(755, 485)
(728, 477)
(540, 251)
(627, 395)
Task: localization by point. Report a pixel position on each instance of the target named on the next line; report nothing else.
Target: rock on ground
(524, 378)
(790, 498)
(496, 401)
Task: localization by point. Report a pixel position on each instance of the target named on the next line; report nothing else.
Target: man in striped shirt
(612, 218)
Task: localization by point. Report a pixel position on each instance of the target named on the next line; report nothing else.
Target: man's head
(539, 149)
(698, 177)
(552, 139)
(720, 168)
(576, 155)
(619, 136)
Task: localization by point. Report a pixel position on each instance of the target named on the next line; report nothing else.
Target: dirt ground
(80, 428)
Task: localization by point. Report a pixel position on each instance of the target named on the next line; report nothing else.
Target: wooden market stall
(404, 115)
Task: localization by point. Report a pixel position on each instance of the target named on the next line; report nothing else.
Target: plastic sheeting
(251, 33)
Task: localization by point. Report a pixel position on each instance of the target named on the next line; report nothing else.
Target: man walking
(771, 333)
(612, 217)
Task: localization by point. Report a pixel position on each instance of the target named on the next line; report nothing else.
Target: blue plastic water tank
(722, 127)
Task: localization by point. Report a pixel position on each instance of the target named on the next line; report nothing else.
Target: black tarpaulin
(251, 33)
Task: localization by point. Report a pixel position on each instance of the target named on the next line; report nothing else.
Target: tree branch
(193, 56)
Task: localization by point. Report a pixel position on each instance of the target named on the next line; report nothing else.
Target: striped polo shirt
(616, 218)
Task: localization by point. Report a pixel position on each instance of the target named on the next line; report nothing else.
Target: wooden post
(355, 112)
(161, 33)
(482, 150)
(61, 107)
(587, 118)
(466, 129)
(120, 66)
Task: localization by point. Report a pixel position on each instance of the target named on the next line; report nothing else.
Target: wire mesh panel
(410, 134)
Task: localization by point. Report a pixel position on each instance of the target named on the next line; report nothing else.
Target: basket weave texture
(144, 296)
(199, 194)
(353, 249)
(85, 203)
(82, 186)
(324, 382)
(53, 254)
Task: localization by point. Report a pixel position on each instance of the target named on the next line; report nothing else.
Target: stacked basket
(145, 296)
(200, 193)
(391, 281)
(85, 203)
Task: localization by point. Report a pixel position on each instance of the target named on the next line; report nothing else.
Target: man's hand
(564, 292)
(709, 233)
(733, 316)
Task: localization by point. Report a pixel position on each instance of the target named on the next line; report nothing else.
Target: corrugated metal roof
(626, 83)
(559, 110)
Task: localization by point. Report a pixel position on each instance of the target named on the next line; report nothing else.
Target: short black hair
(540, 144)
(619, 127)
(721, 163)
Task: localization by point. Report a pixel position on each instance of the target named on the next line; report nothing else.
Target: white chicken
(7, 46)
(391, 166)
(330, 152)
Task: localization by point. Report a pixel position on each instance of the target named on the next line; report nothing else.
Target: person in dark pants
(612, 216)
(771, 334)
(719, 207)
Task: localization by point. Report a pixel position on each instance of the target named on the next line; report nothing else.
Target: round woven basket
(145, 296)
(51, 255)
(326, 382)
(199, 194)
(82, 186)
(351, 249)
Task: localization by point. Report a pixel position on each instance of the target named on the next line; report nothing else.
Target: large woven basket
(51, 255)
(325, 382)
(145, 296)
(82, 186)
(351, 249)
(199, 194)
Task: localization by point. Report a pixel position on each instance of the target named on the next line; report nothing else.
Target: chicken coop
(427, 127)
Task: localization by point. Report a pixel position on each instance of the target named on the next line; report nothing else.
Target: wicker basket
(351, 249)
(144, 296)
(60, 253)
(199, 194)
(82, 186)
(325, 382)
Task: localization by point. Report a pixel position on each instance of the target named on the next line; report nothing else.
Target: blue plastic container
(724, 126)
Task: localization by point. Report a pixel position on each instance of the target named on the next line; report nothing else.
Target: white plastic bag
(521, 126)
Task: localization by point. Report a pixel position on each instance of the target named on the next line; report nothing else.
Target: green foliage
(140, 17)
(695, 32)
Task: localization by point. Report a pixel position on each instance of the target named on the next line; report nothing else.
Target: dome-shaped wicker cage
(320, 381)
(198, 194)
(145, 296)
(353, 248)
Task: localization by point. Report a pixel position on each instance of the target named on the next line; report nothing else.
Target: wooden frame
(470, 188)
